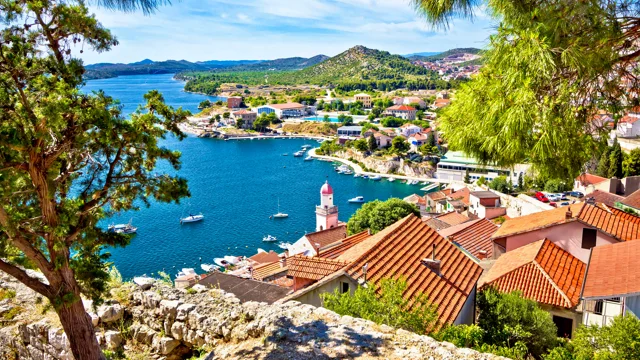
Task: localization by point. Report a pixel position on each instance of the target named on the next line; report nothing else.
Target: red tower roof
(326, 189)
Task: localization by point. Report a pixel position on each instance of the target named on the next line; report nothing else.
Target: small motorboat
(365, 176)
(357, 199)
(269, 238)
(391, 179)
(186, 272)
(192, 218)
(233, 260)
(424, 183)
(298, 153)
(348, 172)
(306, 146)
(221, 262)
(343, 168)
(284, 245)
(376, 178)
(308, 158)
(209, 267)
(356, 175)
(123, 228)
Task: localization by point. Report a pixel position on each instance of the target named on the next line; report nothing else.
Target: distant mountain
(427, 53)
(294, 63)
(108, 70)
(445, 54)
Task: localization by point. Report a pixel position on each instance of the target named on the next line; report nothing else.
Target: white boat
(192, 218)
(123, 228)
(357, 199)
(391, 179)
(221, 262)
(233, 260)
(269, 238)
(261, 251)
(143, 280)
(308, 158)
(305, 147)
(209, 267)
(356, 175)
(343, 168)
(375, 177)
(298, 153)
(186, 272)
(284, 245)
(424, 183)
(280, 215)
(348, 172)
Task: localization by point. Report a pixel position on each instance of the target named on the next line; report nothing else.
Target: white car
(554, 197)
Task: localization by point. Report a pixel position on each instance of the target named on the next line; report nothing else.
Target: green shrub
(377, 215)
(7, 294)
(464, 336)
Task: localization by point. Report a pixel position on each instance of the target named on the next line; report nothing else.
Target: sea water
(236, 185)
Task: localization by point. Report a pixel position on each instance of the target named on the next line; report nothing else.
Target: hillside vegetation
(446, 54)
(358, 68)
(294, 63)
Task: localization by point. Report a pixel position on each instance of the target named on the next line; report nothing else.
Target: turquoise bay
(235, 184)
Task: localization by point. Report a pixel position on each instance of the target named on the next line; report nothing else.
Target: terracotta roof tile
(452, 218)
(357, 250)
(604, 197)
(621, 227)
(628, 119)
(632, 200)
(346, 244)
(542, 271)
(265, 257)
(399, 254)
(314, 268)
(437, 195)
(435, 223)
(474, 236)
(401, 108)
(327, 236)
(613, 271)
(263, 271)
(286, 106)
(462, 194)
(590, 179)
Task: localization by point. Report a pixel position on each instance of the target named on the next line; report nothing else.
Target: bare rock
(110, 313)
(166, 345)
(112, 339)
(184, 310)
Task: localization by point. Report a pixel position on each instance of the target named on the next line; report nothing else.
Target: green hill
(358, 68)
(294, 63)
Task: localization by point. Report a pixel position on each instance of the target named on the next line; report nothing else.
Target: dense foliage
(377, 215)
(70, 159)
(620, 340)
(385, 305)
(544, 79)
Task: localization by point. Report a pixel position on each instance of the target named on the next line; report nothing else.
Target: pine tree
(520, 183)
(603, 164)
(467, 179)
(615, 161)
(372, 143)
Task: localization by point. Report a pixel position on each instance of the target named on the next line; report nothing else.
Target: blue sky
(267, 29)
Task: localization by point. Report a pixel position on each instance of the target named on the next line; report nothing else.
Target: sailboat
(280, 215)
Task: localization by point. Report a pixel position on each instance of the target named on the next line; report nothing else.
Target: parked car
(542, 197)
(554, 197)
(564, 203)
(577, 194)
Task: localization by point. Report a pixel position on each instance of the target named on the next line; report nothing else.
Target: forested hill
(107, 70)
(358, 68)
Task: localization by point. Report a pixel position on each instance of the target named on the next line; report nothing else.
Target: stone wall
(166, 323)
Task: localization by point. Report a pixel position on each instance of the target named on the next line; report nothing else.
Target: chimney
(482, 254)
(317, 248)
(433, 264)
(283, 262)
(591, 200)
(364, 272)
(568, 215)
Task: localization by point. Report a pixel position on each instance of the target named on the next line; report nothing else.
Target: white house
(407, 130)
(629, 126)
(486, 205)
(611, 286)
(415, 100)
(284, 110)
(405, 112)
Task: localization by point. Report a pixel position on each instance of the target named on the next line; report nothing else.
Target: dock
(260, 137)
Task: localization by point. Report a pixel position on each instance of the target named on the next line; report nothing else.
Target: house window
(564, 325)
(344, 287)
(589, 238)
(598, 306)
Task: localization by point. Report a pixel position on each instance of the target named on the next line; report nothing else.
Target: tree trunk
(79, 329)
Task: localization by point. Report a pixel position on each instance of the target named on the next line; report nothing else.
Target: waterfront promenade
(358, 170)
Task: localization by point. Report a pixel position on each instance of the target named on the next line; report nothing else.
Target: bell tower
(326, 212)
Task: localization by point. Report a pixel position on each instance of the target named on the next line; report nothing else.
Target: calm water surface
(236, 185)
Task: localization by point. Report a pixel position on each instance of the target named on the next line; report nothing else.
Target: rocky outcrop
(391, 165)
(170, 324)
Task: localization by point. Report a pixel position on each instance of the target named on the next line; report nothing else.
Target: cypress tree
(603, 163)
(615, 161)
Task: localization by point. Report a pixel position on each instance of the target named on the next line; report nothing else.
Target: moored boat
(123, 228)
(191, 218)
(391, 179)
(284, 245)
(269, 238)
(357, 199)
(375, 177)
(308, 158)
(209, 267)
(298, 153)
(279, 215)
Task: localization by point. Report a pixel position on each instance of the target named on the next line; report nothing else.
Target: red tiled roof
(606, 220)
(314, 268)
(242, 112)
(327, 236)
(604, 197)
(265, 257)
(590, 179)
(542, 271)
(437, 195)
(474, 236)
(632, 200)
(628, 119)
(346, 244)
(415, 199)
(462, 194)
(401, 108)
(452, 218)
(435, 224)
(613, 271)
(399, 254)
(267, 269)
(625, 215)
